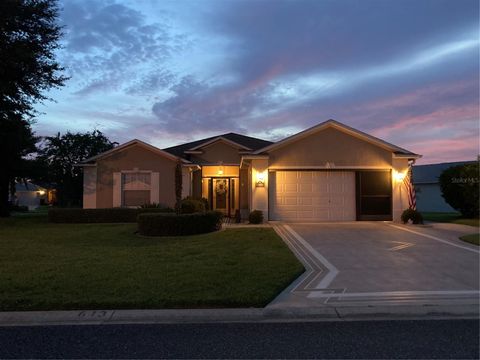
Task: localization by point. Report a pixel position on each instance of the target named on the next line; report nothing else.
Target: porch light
(399, 176)
(41, 192)
(220, 170)
(260, 179)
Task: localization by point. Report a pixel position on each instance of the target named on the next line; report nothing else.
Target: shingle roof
(428, 174)
(28, 186)
(248, 141)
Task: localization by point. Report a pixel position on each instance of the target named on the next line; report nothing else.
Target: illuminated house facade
(330, 172)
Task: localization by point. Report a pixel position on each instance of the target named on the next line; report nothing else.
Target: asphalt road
(355, 339)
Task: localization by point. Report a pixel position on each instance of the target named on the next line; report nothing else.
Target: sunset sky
(168, 72)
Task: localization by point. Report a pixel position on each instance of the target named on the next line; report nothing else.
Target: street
(335, 339)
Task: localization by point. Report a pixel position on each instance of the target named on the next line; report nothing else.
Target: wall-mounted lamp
(220, 170)
(399, 176)
(260, 179)
(41, 192)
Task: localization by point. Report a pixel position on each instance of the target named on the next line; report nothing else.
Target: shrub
(413, 215)
(190, 206)
(255, 217)
(460, 188)
(110, 215)
(150, 224)
(153, 205)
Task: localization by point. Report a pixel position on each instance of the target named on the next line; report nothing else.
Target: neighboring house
(427, 187)
(28, 194)
(330, 172)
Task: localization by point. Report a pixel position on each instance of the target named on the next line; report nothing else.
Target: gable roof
(344, 128)
(428, 174)
(247, 142)
(27, 186)
(127, 145)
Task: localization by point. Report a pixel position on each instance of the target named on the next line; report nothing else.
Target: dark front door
(220, 195)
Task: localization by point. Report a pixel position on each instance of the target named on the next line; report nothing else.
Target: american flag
(407, 181)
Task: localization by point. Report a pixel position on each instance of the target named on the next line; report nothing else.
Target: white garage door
(312, 196)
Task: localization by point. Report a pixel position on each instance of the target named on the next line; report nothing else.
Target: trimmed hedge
(190, 206)
(110, 215)
(183, 224)
(255, 217)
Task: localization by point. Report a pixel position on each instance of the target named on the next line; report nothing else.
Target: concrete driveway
(381, 263)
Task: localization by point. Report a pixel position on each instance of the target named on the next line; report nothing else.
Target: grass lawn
(47, 266)
(450, 218)
(472, 238)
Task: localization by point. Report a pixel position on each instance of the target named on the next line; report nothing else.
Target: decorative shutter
(117, 189)
(155, 187)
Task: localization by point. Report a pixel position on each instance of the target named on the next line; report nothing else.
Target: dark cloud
(271, 68)
(108, 44)
(273, 45)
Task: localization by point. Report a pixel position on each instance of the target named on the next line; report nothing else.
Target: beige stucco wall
(89, 187)
(129, 159)
(217, 152)
(332, 146)
(259, 195)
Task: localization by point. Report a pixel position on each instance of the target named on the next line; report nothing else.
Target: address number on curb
(95, 314)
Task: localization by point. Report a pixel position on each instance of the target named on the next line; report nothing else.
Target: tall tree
(29, 38)
(60, 153)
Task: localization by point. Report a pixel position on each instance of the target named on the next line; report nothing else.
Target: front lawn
(47, 266)
(449, 218)
(472, 238)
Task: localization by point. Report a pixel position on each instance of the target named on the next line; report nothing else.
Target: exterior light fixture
(220, 171)
(41, 192)
(260, 179)
(399, 176)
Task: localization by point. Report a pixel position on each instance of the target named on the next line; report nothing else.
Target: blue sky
(168, 72)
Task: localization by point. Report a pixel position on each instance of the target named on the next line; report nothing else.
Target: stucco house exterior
(427, 186)
(329, 172)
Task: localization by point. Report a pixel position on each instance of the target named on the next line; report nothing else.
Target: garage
(312, 195)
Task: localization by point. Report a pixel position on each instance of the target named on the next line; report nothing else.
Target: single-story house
(427, 186)
(329, 172)
(29, 194)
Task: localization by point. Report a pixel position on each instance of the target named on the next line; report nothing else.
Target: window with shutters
(136, 187)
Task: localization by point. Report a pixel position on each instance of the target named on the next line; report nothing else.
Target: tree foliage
(29, 38)
(60, 153)
(460, 188)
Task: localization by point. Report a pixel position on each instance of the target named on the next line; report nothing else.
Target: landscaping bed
(49, 266)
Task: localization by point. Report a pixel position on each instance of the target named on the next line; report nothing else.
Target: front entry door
(220, 195)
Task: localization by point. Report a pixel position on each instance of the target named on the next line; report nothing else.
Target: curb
(185, 316)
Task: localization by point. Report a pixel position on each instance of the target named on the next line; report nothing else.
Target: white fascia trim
(406, 156)
(135, 142)
(274, 168)
(339, 126)
(219, 138)
(192, 166)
